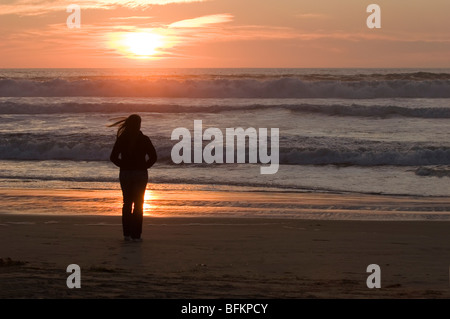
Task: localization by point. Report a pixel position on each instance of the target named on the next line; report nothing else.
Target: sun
(142, 44)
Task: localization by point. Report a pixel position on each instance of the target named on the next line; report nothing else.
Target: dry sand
(222, 258)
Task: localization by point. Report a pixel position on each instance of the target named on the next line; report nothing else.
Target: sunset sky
(224, 33)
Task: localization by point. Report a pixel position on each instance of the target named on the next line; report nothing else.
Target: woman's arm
(114, 157)
(151, 152)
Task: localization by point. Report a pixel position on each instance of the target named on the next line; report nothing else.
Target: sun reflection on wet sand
(150, 201)
(162, 201)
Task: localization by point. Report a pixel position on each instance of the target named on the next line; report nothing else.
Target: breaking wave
(293, 151)
(26, 106)
(357, 87)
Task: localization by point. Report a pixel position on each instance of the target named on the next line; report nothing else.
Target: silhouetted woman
(134, 153)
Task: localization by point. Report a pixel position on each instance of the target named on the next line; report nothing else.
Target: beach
(360, 162)
(223, 257)
(280, 153)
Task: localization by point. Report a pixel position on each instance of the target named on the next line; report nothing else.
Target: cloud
(202, 21)
(132, 18)
(139, 3)
(38, 7)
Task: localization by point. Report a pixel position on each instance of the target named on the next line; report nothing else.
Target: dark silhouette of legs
(133, 184)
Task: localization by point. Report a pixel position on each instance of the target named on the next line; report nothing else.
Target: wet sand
(222, 258)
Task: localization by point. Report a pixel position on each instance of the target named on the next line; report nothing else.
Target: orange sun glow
(140, 44)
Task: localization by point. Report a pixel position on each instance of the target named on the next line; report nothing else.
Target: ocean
(358, 132)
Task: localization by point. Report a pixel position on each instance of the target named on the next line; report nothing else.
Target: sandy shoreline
(223, 258)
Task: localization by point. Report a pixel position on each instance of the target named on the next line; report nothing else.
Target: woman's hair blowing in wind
(130, 124)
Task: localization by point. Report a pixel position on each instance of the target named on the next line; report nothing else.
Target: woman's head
(131, 124)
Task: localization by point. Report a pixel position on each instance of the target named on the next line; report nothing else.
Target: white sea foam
(294, 150)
